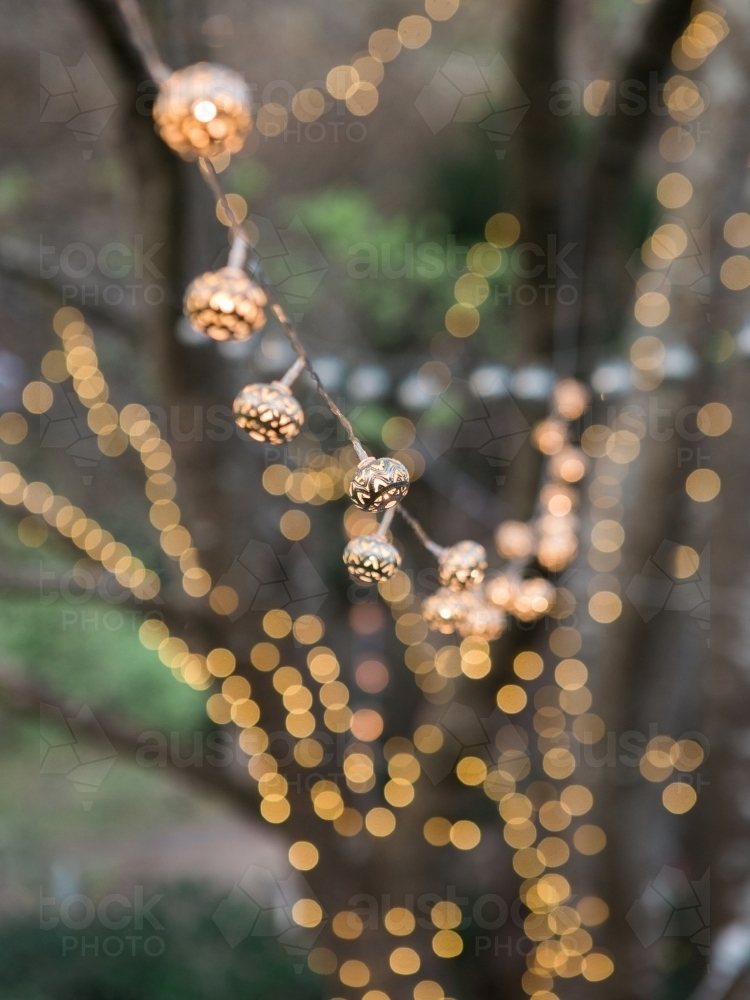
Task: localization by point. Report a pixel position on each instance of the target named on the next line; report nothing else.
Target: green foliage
(90, 651)
(15, 187)
(196, 964)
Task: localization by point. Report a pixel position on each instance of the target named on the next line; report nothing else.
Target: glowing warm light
(703, 485)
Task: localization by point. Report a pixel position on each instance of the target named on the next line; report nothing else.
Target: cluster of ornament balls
(203, 111)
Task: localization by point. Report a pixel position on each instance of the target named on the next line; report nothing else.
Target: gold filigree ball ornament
(570, 465)
(462, 565)
(534, 598)
(514, 540)
(371, 558)
(203, 110)
(500, 590)
(443, 610)
(225, 304)
(570, 398)
(379, 483)
(482, 621)
(268, 412)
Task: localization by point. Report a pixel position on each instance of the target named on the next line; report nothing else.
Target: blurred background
(228, 769)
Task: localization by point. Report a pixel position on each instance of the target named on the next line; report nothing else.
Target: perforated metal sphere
(379, 483)
(443, 610)
(463, 565)
(371, 558)
(500, 590)
(482, 621)
(268, 412)
(203, 110)
(534, 598)
(225, 304)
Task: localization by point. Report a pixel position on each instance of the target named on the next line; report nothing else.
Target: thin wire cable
(142, 39)
(416, 527)
(209, 173)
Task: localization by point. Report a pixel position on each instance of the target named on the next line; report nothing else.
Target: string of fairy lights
(203, 113)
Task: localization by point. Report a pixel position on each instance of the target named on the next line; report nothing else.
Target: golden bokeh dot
(342, 82)
(13, 428)
(404, 961)
(307, 913)
(364, 99)
(685, 562)
(384, 44)
(323, 961)
(652, 308)
(303, 855)
(399, 921)
(308, 104)
(471, 771)
(308, 629)
(275, 479)
(735, 273)
(502, 230)
(354, 973)
(679, 797)
(676, 144)
(674, 190)
(398, 433)
(465, 835)
(589, 839)
(605, 607)
(592, 911)
(347, 925)
(596, 967)
(428, 989)
(714, 419)
(294, 525)
(32, 531)
(441, 10)
(221, 662)
(414, 31)
(54, 366)
(447, 944)
(528, 666)
(264, 656)
(369, 69)
(511, 698)
(277, 623)
(437, 831)
(37, 397)
(703, 485)
(737, 230)
(223, 600)
(462, 320)
(380, 822)
(275, 811)
(446, 915)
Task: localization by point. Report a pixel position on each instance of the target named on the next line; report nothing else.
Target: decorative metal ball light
(225, 304)
(443, 610)
(268, 412)
(379, 483)
(462, 565)
(482, 621)
(371, 558)
(500, 590)
(203, 110)
(534, 598)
